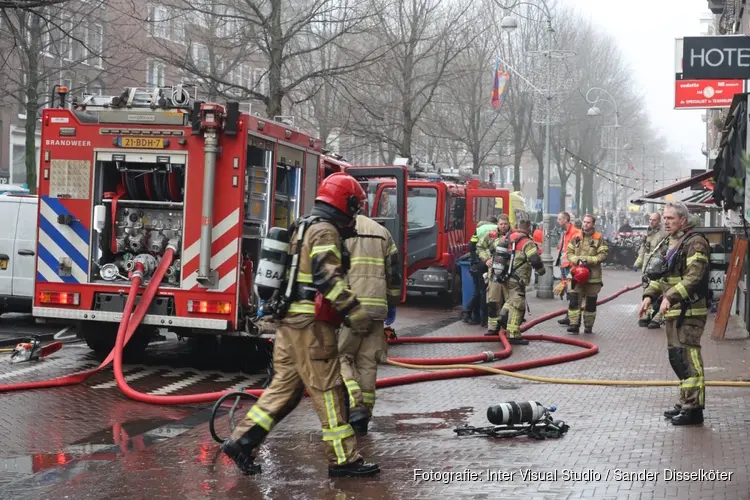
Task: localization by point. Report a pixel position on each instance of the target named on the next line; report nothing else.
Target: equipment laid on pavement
(511, 419)
(33, 350)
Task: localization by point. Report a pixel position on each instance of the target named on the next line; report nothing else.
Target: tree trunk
(517, 171)
(32, 101)
(275, 91)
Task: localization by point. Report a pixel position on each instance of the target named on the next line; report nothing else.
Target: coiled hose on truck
(444, 368)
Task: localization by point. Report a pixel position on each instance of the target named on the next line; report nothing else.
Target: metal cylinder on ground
(513, 413)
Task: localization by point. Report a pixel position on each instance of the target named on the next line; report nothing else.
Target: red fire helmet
(580, 275)
(342, 192)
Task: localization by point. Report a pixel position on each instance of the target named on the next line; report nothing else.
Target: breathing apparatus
(513, 419)
(502, 261)
(656, 265)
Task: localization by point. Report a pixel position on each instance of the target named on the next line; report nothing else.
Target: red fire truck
(123, 178)
(441, 216)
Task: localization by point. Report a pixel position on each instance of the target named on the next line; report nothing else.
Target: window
(201, 58)
(96, 44)
(65, 45)
(178, 27)
(155, 74)
(78, 50)
(421, 203)
(159, 26)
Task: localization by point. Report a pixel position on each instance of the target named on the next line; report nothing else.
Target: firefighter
(305, 351)
(569, 231)
(590, 250)
(526, 257)
(654, 235)
(679, 273)
(496, 292)
(375, 277)
(476, 309)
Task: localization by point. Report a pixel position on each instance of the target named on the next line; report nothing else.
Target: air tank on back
(272, 263)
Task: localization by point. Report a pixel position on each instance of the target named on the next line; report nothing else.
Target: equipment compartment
(142, 196)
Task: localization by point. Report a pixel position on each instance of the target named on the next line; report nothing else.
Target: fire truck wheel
(100, 337)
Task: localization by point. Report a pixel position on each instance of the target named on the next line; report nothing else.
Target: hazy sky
(645, 31)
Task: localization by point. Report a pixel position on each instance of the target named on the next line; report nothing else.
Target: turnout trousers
(514, 309)
(304, 358)
(359, 357)
(497, 294)
(684, 350)
(587, 293)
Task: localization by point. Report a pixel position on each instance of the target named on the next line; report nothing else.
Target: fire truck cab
(124, 178)
(441, 216)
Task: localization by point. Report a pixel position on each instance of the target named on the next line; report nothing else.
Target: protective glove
(358, 321)
(635, 268)
(391, 316)
(541, 271)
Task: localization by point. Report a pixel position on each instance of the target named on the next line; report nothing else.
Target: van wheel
(101, 337)
(455, 295)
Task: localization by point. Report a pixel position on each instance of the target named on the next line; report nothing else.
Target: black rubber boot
(564, 321)
(358, 415)
(673, 412)
(518, 341)
(359, 468)
(242, 454)
(688, 417)
(588, 329)
(360, 427)
(492, 333)
(643, 323)
(654, 325)
(574, 329)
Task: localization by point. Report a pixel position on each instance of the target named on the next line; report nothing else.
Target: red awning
(673, 188)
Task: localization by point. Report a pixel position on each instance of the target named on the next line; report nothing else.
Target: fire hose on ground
(446, 368)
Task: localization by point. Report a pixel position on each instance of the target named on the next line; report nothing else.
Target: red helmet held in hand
(342, 192)
(580, 275)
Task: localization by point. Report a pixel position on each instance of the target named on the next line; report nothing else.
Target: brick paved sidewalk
(611, 429)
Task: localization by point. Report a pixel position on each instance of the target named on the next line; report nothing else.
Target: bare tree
(423, 38)
(461, 112)
(221, 41)
(59, 43)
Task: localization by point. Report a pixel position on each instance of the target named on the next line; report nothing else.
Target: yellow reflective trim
(369, 301)
(673, 280)
(699, 368)
(339, 287)
(367, 260)
(530, 252)
(325, 248)
(654, 285)
(261, 418)
(674, 313)
(369, 398)
(305, 307)
(682, 290)
(394, 292)
(394, 249)
(699, 256)
(338, 433)
(330, 434)
(304, 277)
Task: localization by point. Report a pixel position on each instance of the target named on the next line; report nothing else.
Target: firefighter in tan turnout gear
(375, 278)
(306, 351)
(497, 293)
(654, 236)
(525, 257)
(679, 272)
(588, 249)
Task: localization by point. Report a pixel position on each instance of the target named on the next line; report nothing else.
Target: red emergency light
(60, 298)
(209, 307)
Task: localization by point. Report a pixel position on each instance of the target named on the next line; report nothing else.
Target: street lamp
(509, 24)
(594, 110)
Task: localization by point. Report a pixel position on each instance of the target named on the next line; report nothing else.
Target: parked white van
(18, 228)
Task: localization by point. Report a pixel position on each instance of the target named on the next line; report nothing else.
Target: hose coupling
(489, 355)
(174, 244)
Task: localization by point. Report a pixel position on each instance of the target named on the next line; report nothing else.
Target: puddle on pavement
(425, 421)
(103, 445)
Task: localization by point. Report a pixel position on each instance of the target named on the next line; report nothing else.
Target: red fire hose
(128, 326)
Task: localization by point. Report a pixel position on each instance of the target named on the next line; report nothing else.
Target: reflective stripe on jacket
(320, 270)
(374, 275)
